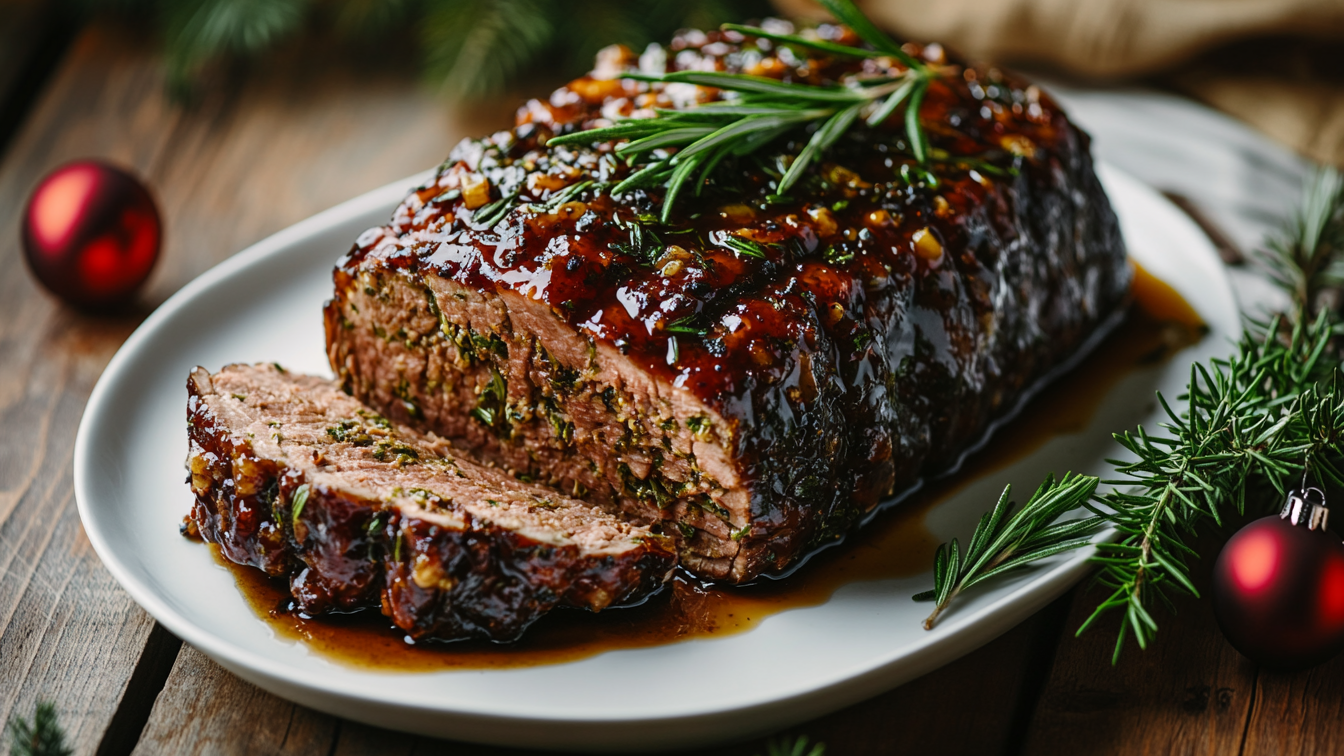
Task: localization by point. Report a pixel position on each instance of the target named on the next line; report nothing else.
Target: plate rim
(840, 687)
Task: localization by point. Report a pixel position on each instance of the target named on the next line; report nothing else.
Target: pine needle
(42, 736)
(794, 746)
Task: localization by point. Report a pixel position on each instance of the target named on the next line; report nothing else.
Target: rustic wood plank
(1301, 713)
(969, 706)
(1188, 693)
(305, 132)
(205, 709)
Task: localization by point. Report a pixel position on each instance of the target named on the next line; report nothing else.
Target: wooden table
(268, 146)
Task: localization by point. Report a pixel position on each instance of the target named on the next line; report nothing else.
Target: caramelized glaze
(895, 544)
(831, 347)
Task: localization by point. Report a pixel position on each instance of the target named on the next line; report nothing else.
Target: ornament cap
(1306, 507)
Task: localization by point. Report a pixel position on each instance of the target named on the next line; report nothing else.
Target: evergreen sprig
(42, 736)
(683, 147)
(1271, 415)
(1005, 540)
(1306, 259)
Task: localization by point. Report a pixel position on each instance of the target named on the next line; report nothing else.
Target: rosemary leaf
(759, 111)
(821, 140)
(820, 45)
(737, 82)
(893, 101)
(794, 746)
(849, 14)
(300, 499)
(1005, 540)
(918, 142)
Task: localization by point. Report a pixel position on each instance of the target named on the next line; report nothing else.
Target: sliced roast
(295, 477)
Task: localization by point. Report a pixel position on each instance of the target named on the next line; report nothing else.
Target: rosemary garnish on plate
(762, 110)
(1005, 539)
(1270, 415)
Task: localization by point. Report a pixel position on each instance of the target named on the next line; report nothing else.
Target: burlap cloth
(1276, 64)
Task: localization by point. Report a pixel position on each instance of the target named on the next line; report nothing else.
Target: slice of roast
(295, 477)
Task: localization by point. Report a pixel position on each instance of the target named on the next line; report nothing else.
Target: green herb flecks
(300, 499)
(492, 401)
(742, 246)
(1005, 539)
(397, 452)
(761, 111)
(644, 245)
(690, 325)
(350, 431)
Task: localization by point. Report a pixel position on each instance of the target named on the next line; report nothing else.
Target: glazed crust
(772, 400)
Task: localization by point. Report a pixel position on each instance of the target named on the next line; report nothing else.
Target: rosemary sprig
(1270, 415)
(1267, 416)
(1005, 539)
(42, 736)
(680, 148)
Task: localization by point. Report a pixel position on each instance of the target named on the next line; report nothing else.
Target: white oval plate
(264, 304)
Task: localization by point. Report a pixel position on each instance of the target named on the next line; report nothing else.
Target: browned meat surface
(295, 477)
(752, 403)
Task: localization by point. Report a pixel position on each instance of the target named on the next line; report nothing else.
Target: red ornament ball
(1278, 591)
(91, 234)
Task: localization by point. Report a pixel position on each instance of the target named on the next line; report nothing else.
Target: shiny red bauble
(1278, 590)
(91, 234)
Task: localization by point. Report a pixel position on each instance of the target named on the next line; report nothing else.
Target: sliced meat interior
(295, 477)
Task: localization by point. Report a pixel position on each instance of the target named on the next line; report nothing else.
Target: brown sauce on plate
(895, 544)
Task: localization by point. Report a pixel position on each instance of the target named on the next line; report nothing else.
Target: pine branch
(1005, 540)
(42, 736)
(474, 47)
(471, 48)
(199, 30)
(1307, 258)
(1264, 417)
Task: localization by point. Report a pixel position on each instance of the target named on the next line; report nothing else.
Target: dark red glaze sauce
(886, 315)
(853, 234)
(896, 544)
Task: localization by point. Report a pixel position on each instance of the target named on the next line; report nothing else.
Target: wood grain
(1301, 713)
(1188, 693)
(206, 710)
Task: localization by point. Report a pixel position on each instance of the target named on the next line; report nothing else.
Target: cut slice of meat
(296, 478)
(757, 374)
